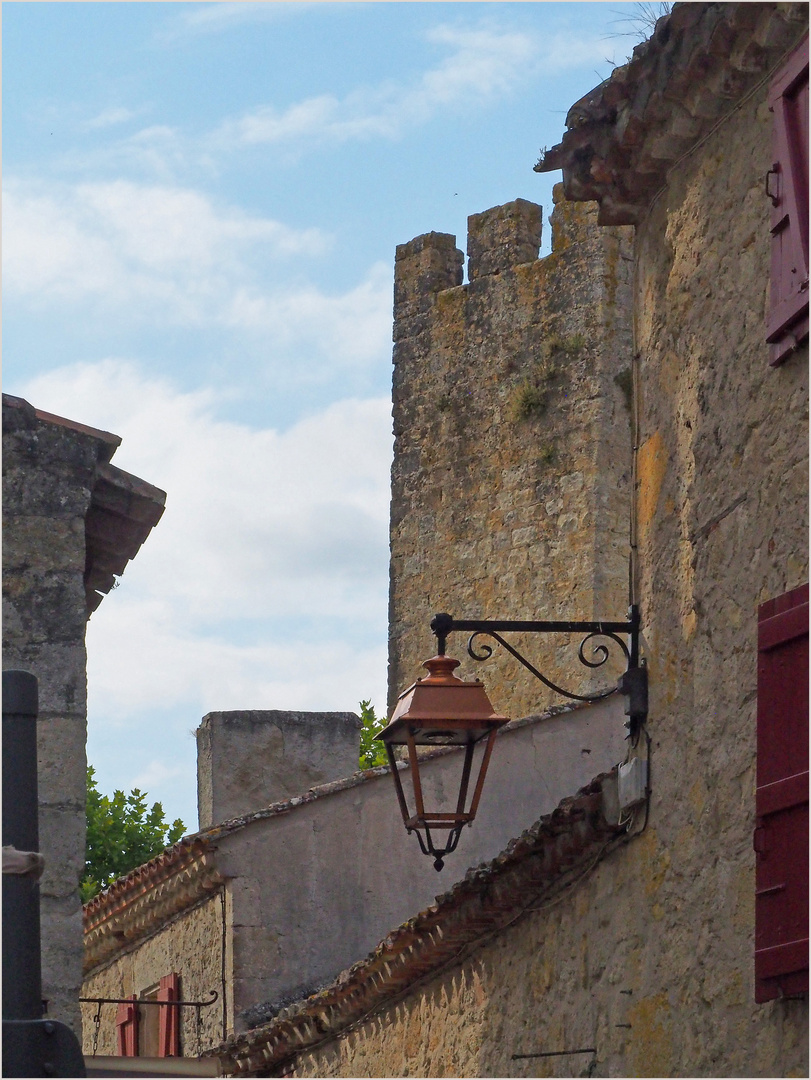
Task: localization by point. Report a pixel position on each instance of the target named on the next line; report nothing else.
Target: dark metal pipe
(22, 964)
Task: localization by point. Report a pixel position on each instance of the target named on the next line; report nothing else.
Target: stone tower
(512, 458)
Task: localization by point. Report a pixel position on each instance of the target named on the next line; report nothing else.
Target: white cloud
(109, 117)
(262, 528)
(160, 255)
(483, 64)
(122, 239)
(351, 328)
(216, 18)
(155, 774)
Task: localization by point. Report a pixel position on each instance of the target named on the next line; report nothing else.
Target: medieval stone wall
(192, 944)
(48, 473)
(576, 976)
(651, 960)
(512, 455)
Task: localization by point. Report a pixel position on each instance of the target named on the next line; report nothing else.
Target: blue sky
(201, 204)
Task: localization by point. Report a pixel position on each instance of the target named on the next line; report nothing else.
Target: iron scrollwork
(444, 624)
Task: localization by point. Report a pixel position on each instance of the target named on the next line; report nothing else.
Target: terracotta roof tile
(488, 898)
(700, 61)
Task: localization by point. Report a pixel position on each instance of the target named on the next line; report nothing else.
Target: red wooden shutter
(126, 1023)
(787, 184)
(168, 1017)
(781, 835)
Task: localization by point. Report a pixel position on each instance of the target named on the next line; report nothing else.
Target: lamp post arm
(444, 624)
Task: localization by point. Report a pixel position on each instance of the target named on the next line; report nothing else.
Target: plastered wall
(510, 481)
(193, 944)
(343, 860)
(315, 889)
(650, 961)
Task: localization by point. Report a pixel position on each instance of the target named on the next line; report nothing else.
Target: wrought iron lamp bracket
(633, 683)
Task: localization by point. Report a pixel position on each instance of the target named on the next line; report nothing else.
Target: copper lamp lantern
(441, 710)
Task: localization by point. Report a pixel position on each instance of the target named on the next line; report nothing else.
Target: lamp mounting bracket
(613, 631)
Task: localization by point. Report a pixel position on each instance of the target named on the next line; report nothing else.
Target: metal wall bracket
(633, 684)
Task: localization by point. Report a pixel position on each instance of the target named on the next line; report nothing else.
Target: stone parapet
(503, 237)
(251, 758)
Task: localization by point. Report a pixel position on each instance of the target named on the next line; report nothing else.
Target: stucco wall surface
(512, 453)
(651, 961)
(315, 889)
(192, 944)
(48, 473)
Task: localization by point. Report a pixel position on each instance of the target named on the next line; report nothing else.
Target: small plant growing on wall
(531, 396)
(624, 380)
(547, 454)
(528, 399)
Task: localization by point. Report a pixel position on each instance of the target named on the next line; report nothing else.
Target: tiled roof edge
(111, 441)
(123, 511)
(163, 865)
(701, 62)
(134, 906)
(485, 901)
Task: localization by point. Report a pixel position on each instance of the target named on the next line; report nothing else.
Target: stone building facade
(71, 522)
(265, 907)
(643, 962)
(512, 455)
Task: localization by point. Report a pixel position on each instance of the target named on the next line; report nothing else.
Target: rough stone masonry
(512, 454)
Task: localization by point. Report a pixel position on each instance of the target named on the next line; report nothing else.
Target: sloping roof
(123, 509)
(557, 849)
(138, 903)
(700, 62)
(133, 906)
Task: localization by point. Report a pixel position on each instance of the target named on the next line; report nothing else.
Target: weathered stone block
(248, 759)
(61, 841)
(422, 268)
(62, 761)
(503, 237)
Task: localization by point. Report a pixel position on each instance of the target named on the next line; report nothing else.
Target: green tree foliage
(122, 833)
(371, 753)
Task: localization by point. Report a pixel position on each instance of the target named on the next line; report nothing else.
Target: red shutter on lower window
(169, 1016)
(787, 184)
(781, 834)
(126, 1023)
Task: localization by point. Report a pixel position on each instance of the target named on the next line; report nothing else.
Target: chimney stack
(249, 759)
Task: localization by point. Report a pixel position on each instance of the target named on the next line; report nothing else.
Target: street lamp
(443, 710)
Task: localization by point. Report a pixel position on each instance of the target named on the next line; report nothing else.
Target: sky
(201, 204)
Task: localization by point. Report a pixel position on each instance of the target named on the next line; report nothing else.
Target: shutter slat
(787, 319)
(782, 627)
(782, 794)
(168, 1017)
(781, 836)
(793, 956)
